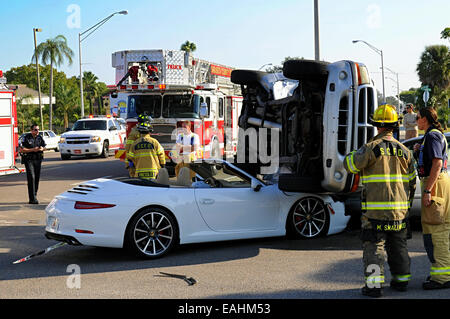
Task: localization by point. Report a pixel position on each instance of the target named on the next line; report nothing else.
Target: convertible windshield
(181, 106)
(89, 125)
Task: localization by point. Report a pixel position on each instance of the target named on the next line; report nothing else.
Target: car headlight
(62, 140)
(96, 139)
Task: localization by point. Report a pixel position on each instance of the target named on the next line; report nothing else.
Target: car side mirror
(256, 185)
(203, 110)
(113, 128)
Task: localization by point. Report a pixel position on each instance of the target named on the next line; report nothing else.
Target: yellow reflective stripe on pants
(384, 205)
(436, 271)
(375, 280)
(401, 278)
(351, 164)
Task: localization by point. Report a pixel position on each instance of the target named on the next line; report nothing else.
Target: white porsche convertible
(223, 203)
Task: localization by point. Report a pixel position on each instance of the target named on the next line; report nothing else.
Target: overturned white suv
(319, 112)
(92, 136)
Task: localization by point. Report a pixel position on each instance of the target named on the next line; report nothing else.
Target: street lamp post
(380, 52)
(398, 88)
(80, 39)
(38, 76)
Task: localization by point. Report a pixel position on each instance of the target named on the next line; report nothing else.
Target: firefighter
(388, 175)
(132, 136)
(435, 184)
(146, 154)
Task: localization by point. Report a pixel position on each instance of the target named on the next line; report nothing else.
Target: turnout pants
(436, 238)
(375, 244)
(33, 169)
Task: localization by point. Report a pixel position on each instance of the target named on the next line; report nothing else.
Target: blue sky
(242, 34)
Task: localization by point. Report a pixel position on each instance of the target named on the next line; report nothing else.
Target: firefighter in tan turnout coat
(146, 155)
(387, 172)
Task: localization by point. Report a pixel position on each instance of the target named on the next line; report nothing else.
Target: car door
(235, 206)
(114, 134)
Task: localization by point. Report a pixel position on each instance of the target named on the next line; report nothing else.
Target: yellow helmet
(385, 116)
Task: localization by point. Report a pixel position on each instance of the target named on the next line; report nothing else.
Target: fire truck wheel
(305, 70)
(246, 77)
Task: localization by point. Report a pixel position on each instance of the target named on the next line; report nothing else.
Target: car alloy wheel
(309, 218)
(152, 233)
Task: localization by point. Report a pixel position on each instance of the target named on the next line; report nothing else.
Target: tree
(445, 34)
(89, 83)
(434, 67)
(188, 46)
(67, 99)
(54, 52)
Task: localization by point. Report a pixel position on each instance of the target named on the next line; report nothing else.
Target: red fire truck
(9, 138)
(172, 86)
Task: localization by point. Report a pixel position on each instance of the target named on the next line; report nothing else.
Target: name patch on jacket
(144, 146)
(387, 149)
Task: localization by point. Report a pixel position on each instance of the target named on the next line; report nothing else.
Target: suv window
(89, 125)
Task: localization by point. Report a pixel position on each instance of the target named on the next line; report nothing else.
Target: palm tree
(67, 99)
(434, 67)
(54, 52)
(188, 46)
(90, 87)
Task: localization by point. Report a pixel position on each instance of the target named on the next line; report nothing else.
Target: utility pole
(316, 30)
(38, 76)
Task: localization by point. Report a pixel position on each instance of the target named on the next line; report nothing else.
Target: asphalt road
(271, 268)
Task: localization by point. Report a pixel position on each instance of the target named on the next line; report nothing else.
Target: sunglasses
(35, 129)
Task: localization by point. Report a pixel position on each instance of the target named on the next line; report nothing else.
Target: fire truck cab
(172, 86)
(9, 138)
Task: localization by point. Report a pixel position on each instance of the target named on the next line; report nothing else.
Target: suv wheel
(306, 70)
(105, 151)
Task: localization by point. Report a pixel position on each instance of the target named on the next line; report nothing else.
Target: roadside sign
(426, 96)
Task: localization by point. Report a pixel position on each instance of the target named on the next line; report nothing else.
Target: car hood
(83, 133)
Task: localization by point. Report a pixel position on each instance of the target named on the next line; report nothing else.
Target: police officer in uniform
(146, 154)
(435, 184)
(32, 148)
(388, 175)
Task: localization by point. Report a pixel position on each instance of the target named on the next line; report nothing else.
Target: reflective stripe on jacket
(387, 173)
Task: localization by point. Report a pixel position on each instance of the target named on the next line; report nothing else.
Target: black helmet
(145, 125)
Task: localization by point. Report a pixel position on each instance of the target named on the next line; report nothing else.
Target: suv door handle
(207, 201)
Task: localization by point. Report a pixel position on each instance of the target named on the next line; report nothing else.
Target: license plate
(77, 151)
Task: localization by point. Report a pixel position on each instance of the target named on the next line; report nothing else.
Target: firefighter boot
(372, 292)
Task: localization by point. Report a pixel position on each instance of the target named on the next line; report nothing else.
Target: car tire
(105, 150)
(247, 77)
(308, 218)
(305, 70)
(65, 157)
(152, 233)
